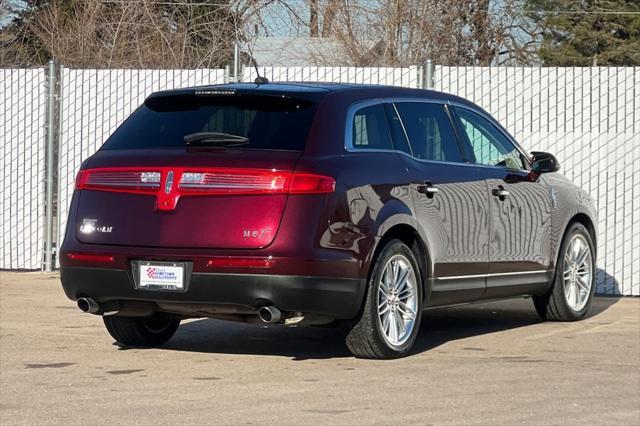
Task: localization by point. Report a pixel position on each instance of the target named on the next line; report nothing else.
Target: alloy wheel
(397, 300)
(577, 272)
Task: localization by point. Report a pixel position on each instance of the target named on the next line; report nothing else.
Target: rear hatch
(210, 169)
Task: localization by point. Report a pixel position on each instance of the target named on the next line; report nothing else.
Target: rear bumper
(334, 297)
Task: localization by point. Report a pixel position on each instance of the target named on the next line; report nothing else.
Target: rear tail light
(235, 181)
(247, 181)
(306, 183)
(169, 184)
(80, 179)
(119, 179)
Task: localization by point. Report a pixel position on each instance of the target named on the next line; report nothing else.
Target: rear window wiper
(215, 138)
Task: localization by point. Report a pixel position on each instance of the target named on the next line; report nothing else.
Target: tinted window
(489, 146)
(430, 132)
(268, 122)
(370, 128)
(400, 142)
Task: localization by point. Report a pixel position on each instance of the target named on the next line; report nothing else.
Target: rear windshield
(267, 122)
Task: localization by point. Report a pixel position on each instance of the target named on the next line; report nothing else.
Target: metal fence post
(236, 62)
(428, 74)
(51, 114)
(58, 142)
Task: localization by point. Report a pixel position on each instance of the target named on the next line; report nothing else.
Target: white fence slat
(96, 102)
(407, 77)
(23, 95)
(588, 117)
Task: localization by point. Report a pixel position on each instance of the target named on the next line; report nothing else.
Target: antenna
(259, 79)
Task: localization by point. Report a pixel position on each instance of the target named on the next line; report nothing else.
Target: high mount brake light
(171, 183)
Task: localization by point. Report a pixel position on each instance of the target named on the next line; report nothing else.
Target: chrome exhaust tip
(269, 314)
(116, 307)
(88, 305)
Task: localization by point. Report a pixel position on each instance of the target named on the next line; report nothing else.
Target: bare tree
(131, 34)
(404, 32)
(7, 11)
(4, 8)
(329, 16)
(201, 34)
(313, 18)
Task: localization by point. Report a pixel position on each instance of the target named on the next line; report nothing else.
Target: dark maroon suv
(317, 204)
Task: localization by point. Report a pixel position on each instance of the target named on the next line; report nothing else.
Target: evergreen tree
(588, 32)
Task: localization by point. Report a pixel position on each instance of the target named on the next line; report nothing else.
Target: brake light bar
(170, 183)
(234, 181)
(127, 180)
(255, 182)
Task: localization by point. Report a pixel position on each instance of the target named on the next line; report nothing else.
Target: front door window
(488, 145)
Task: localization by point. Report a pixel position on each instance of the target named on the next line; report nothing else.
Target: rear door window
(400, 141)
(430, 131)
(246, 121)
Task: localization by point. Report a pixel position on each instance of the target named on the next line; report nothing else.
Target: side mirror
(543, 162)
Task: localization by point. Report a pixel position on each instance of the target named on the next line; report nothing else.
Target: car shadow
(225, 337)
(443, 325)
(607, 285)
(438, 327)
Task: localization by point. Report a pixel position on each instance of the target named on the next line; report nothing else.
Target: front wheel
(141, 331)
(389, 322)
(574, 285)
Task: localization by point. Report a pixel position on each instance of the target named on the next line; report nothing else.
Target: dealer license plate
(161, 275)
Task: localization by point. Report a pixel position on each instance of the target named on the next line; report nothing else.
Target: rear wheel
(390, 319)
(141, 331)
(570, 297)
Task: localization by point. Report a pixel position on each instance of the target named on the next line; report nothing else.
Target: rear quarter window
(268, 122)
(370, 129)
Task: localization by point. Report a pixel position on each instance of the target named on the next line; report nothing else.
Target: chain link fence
(95, 102)
(588, 117)
(23, 115)
(405, 77)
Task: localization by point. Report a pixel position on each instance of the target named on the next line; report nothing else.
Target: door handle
(428, 189)
(500, 192)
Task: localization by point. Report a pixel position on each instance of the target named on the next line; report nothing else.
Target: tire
(141, 331)
(366, 337)
(573, 287)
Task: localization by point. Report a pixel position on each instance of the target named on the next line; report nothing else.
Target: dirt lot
(480, 364)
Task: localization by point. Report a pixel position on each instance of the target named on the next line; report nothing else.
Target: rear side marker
(241, 262)
(171, 183)
(86, 257)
